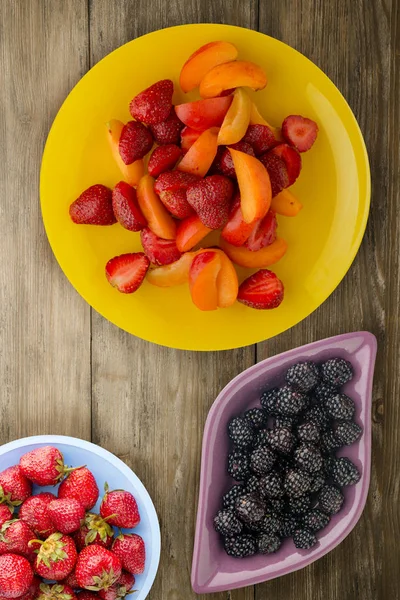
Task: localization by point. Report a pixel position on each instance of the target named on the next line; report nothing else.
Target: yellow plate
(334, 187)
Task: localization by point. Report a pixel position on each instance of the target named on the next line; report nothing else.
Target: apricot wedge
(190, 232)
(236, 230)
(131, 173)
(254, 185)
(199, 158)
(285, 203)
(203, 276)
(257, 119)
(227, 281)
(203, 114)
(255, 260)
(174, 274)
(203, 60)
(236, 120)
(239, 73)
(158, 218)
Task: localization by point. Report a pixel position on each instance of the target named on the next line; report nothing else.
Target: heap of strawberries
(55, 545)
(217, 165)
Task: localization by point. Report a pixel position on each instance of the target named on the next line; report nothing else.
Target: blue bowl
(106, 468)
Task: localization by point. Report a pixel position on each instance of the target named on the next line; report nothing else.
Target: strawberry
(120, 507)
(97, 568)
(57, 591)
(16, 576)
(135, 142)
(260, 137)
(127, 271)
(71, 581)
(171, 187)
(131, 551)
(211, 199)
(158, 250)
(188, 137)
(291, 158)
(6, 513)
(176, 203)
(154, 104)
(34, 513)
(299, 132)
(56, 557)
(223, 162)
(277, 172)
(93, 207)
(119, 589)
(33, 590)
(127, 580)
(94, 530)
(263, 233)
(14, 486)
(167, 131)
(44, 466)
(15, 536)
(87, 595)
(126, 207)
(82, 486)
(163, 158)
(262, 290)
(66, 514)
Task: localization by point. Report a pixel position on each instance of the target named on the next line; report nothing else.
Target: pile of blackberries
(284, 458)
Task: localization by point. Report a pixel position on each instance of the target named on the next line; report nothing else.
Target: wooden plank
(361, 60)
(150, 403)
(44, 324)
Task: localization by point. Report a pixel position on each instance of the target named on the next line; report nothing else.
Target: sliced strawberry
(93, 207)
(154, 104)
(163, 158)
(127, 271)
(190, 232)
(188, 137)
(176, 202)
(171, 181)
(211, 199)
(168, 131)
(135, 142)
(292, 160)
(159, 251)
(126, 207)
(263, 290)
(263, 233)
(299, 132)
(277, 171)
(223, 162)
(261, 138)
(236, 230)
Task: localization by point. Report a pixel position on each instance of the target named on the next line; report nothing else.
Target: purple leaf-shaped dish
(213, 570)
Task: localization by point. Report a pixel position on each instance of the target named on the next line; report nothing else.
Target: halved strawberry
(277, 171)
(300, 132)
(168, 131)
(154, 104)
(263, 233)
(171, 187)
(188, 137)
(292, 160)
(127, 271)
(260, 137)
(263, 290)
(159, 251)
(126, 207)
(93, 207)
(211, 199)
(176, 202)
(223, 162)
(163, 158)
(135, 142)
(236, 230)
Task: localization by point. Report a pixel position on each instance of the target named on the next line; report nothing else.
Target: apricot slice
(203, 60)
(254, 185)
(158, 218)
(236, 230)
(199, 158)
(227, 281)
(131, 173)
(190, 232)
(203, 114)
(236, 120)
(255, 260)
(285, 203)
(203, 275)
(257, 119)
(239, 73)
(174, 274)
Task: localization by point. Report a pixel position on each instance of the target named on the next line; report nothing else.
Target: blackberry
(288, 422)
(303, 376)
(266, 544)
(252, 484)
(336, 371)
(261, 438)
(308, 432)
(317, 482)
(348, 432)
(250, 508)
(323, 391)
(329, 441)
(340, 407)
(330, 499)
(281, 439)
(284, 464)
(278, 505)
(226, 523)
(239, 465)
(268, 401)
(315, 520)
(344, 472)
(304, 539)
(289, 524)
(240, 546)
(290, 402)
(270, 486)
(318, 415)
(299, 506)
(257, 417)
(229, 499)
(262, 460)
(241, 432)
(297, 482)
(308, 457)
(328, 464)
(271, 523)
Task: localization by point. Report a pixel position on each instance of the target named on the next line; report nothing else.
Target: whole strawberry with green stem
(94, 530)
(57, 591)
(82, 486)
(44, 466)
(16, 576)
(120, 589)
(97, 568)
(34, 513)
(130, 549)
(56, 557)
(14, 486)
(15, 537)
(120, 508)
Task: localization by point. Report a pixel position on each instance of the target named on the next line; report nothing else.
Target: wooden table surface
(66, 370)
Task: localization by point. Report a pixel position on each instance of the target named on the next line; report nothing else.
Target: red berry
(168, 131)
(6, 513)
(71, 580)
(291, 158)
(94, 530)
(126, 207)
(57, 591)
(300, 132)
(223, 162)
(33, 590)
(56, 557)
(97, 568)
(119, 589)
(86, 595)
(277, 172)
(82, 486)
(16, 576)
(261, 138)
(120, 509)
(93, 207)
(163, 158)
(43, 466)
(263, 233)
(15, 537)
(158, 250)
(127, 271)
(130, 549)
(263, 290)
(135, 142)
(34, 513)
(171, 181)
(211, 199)
(14, 486)
(154, 104)
(66, 514)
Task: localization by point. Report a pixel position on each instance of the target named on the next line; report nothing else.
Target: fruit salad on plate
(214, 164)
